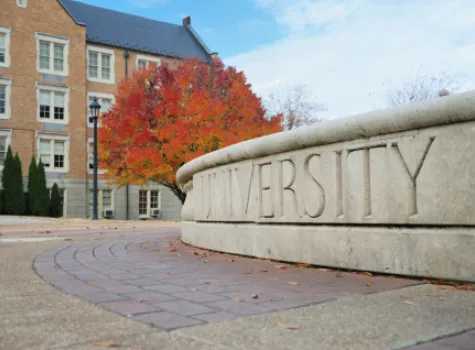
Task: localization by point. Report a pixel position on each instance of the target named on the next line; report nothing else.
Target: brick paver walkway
(163, 282)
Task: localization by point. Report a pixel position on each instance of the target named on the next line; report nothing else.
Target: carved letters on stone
(327, 185)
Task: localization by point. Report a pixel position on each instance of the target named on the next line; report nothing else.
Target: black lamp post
(95, 108)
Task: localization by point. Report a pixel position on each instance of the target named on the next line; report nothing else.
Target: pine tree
(19, 200)
(42, 196)
(32, 186)
(55, 209)
(7, 182)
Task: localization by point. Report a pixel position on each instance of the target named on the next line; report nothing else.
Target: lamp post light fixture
(95, 109)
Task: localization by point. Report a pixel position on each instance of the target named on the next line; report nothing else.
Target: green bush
(18, 183)
(41, 202)
(32, 187)
(7, 182)
(55, 209)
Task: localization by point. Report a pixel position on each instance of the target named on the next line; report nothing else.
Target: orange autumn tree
(164, 117)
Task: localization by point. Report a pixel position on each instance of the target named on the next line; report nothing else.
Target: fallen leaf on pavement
(231, 260)
(155, 250)
(57, 265)
(366, 273)
(446, 287)
(368, 284)
(255, 296)
(408, 302)
(441, 283)
(193, 289)
(147, 300)
(237, 299)
(172, 250)
(89, 283)
(302, 266)
(205, 261)
(169, 273)
(212, 335)
(270, 299)
(129, 252)
(291, 282)
(404, 297)
(282, 267)
(287, 326)
(106, 344)
(466, 287)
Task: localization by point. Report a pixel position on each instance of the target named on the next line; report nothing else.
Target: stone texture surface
(35, 315)
(426, 252)
(161, 281)
(411, 178)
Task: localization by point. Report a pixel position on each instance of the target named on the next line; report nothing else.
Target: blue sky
(229, 27)
(348, 52)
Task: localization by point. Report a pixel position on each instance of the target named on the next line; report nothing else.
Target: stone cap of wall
(418, 115)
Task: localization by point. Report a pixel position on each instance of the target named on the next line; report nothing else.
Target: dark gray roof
(128, 31)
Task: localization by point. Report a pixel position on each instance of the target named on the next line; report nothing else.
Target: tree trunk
(177, 191)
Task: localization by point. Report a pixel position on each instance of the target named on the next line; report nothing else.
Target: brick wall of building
(45, 17)
(49, 18)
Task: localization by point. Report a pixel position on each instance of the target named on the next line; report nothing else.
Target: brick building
(55, 56)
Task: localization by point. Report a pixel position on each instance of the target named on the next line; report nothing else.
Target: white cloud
(345, 50)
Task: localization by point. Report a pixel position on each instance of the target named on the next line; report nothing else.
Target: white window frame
(7, 32)
(8, 92)
(149, 59)
(90, 153)
(8, 134)
(52, 40)
(56, 137)
(24, 5)
(149, 200)
(100, 204)
(100, 96)
(52, 88)
(100, 50)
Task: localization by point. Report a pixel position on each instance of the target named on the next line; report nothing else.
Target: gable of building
(113, 28)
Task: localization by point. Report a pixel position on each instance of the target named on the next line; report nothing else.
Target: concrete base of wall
(424, 252)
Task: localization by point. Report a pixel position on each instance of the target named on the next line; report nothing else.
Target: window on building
(148, 201)
(53, 152)
(100, 65)
(5, 85)
(22, 3)
(105, 201)
(53, 104)
(105, 100)
(4, 143)
(143, 210)
(3, 99)
(3, 49)
(52, 54)
(144, 61)
(4, 46)
(154, 199)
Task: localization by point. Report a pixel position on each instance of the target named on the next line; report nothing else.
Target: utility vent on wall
(22, 3)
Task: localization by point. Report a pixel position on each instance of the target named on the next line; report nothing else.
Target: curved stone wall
(389, 191)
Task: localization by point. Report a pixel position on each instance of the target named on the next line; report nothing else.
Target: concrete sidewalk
(36, 315)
